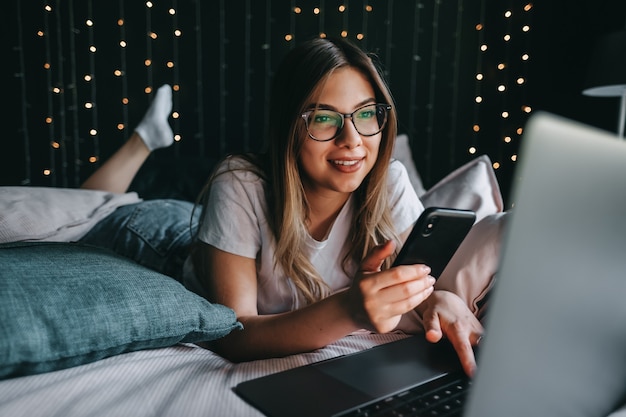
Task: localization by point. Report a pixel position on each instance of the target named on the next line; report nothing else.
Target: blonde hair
(295, 83)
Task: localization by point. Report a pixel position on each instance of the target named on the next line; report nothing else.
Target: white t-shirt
(235, 221)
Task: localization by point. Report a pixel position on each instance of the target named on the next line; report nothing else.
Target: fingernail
(431, 280)
(426, 269)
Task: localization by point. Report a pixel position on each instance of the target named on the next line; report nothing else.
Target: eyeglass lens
(325, 124)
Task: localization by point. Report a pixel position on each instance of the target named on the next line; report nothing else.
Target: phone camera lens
(430, 225)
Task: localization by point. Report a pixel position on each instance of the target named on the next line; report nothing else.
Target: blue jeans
(154, 233)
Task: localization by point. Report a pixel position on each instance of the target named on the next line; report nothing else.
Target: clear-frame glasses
(324, 125)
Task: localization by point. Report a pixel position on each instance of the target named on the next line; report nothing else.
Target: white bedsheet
(183, 380)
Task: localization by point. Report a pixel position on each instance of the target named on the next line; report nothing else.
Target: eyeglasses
(324, 125)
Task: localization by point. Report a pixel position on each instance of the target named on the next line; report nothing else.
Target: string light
(504, 86)
(498, 96)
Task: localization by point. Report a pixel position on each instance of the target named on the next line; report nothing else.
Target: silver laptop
(555, 341)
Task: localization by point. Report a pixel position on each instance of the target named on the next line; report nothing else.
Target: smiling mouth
(346, 163)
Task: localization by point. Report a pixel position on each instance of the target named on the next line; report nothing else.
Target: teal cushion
(67, 304)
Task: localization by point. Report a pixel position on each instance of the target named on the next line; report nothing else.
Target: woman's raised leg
(153, 132)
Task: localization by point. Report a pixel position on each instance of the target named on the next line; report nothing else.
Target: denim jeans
(154, 233)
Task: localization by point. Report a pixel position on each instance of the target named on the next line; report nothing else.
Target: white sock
(154, 128)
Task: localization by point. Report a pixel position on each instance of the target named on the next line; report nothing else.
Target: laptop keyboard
(442, 397)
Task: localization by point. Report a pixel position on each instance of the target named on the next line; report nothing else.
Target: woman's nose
(349, 137)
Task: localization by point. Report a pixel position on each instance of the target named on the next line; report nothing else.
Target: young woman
(299, 241)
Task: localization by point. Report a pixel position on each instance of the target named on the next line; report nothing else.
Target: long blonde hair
(295, 82)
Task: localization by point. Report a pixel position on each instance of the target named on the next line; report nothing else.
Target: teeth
(345, 163)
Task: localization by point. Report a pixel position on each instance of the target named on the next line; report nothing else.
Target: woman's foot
(154, 128)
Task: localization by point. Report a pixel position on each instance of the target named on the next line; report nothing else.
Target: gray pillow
(67, 304)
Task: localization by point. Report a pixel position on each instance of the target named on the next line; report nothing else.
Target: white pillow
(54, 214)
(473, 186)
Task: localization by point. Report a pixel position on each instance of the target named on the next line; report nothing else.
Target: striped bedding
(184, 380)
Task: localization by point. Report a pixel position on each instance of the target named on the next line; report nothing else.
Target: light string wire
(176, 76)
(345, 19)
(321, 18)
(51, 171)
(199, 136)
(73, 87)
(24, 103)
(268, 71)
(95, 139)
(456, 75)
(430, 134)
(415, 59)
(247, 75)
(292, 24)
(60, 85)
(149, 56)
(365, 15)
(389, 40)
(222, 77)
(526, 107)
(479, 82)
(127, 129)
(505, 71)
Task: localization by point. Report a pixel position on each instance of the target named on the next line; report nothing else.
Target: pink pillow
(471, 271)
(402, 152)
(473, 186)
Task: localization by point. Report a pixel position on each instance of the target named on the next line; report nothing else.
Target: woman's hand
(445, 314)
(378, 299)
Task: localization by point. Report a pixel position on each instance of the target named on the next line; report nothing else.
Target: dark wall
(224, 59)
(563, 43)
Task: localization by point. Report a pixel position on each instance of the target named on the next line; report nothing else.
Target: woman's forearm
(277, 335)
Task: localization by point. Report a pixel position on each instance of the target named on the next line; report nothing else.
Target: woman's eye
(366, 114)
(324, 119)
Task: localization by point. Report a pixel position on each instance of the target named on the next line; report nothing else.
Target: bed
(87, 332)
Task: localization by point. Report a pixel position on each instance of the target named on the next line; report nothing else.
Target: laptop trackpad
(394, 366)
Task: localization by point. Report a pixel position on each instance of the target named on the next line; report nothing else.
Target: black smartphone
(435, 237)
